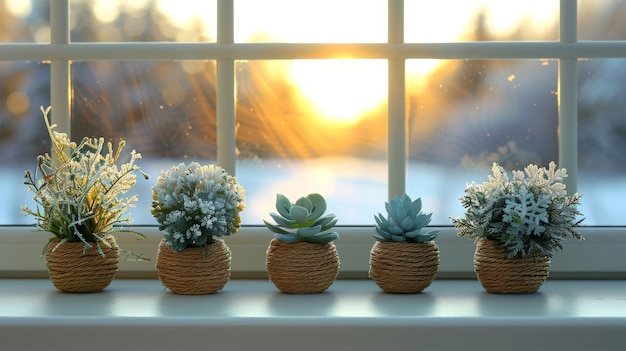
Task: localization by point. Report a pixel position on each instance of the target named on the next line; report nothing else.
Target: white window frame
(602, 251)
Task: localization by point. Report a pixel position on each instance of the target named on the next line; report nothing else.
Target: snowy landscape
(356, 190)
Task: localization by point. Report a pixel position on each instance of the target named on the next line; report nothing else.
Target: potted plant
(518, 224)
(302, 258)
(196, 205)
(404, 258)
(78, 195)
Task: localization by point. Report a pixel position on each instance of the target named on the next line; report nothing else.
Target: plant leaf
(407, 224)
(383, 234)
(283, 205)
(391, 211)
(380, 220)
(326, 222)
(304, 202)
(269, 226)
(282, 221)
(286, 238)
(416, 206)
(319, 206)
(398, 238)
(309, 231)
(299, 214)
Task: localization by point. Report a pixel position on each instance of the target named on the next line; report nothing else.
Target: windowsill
(351, 315)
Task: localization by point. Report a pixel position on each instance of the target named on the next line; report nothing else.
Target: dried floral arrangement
(78, 191)
(194, 203)
(531, 212)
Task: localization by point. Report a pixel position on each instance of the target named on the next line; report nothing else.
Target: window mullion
(226, 142)
(568, 97)
(397, 135)
(60, 82)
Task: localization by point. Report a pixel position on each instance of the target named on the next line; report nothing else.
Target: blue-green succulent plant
(303, 220)
(404, 222)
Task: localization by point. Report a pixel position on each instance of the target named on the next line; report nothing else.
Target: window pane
(311, 21)
(143, 20)
(299, 138)
(24, 88)
(313, 126)
(164, 110)
(469, 114)
(480, 20)
(25, 21)
(602, 140)
(602, 20)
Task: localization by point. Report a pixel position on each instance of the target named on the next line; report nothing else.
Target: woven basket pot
(195, 270)
(302, 267)
(404, 268)
(74, 269)
(499, 274)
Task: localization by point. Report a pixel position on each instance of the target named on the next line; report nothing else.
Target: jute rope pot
(74, 269)
(302, 267)
(500, 274)
(194, 271)
(404, 268)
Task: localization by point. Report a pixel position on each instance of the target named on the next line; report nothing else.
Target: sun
(341, 91)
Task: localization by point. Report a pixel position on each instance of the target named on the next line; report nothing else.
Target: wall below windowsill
(351, 315)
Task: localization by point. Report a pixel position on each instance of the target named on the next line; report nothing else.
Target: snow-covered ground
(355, 189)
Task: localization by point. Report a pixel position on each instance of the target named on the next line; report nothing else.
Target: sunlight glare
(503, 18)
(19, 8)
(183, 13)
(424, 23)
(321, 21)
(106, 11)
(341, 90)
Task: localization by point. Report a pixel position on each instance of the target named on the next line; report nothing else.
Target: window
(357, 105)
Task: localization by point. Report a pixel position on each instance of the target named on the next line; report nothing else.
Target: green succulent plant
(303, 220)
(404, 222)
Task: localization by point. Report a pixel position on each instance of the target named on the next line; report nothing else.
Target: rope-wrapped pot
(75, 269)
(500, 274)
(302, 267)
(195, 270)
(404, 268)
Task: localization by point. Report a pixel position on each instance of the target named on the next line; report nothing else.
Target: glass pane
(311, 21)
(602, 20)
(468, 114)
(313, 126)
(480, 20)
(602, 140)
(164, 110)
(24, 21)
(24, 88)
(143, 20)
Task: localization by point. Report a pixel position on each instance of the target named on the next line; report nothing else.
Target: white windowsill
(351, 315)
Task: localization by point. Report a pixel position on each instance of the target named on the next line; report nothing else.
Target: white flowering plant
(78, 191)
(196, 203)
(529, 213)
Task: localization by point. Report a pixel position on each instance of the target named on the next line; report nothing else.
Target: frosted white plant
(195, 203)
(531, 212)
(78, 190)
